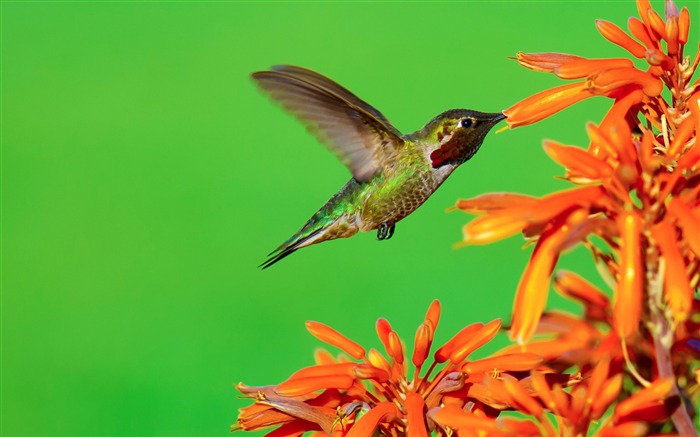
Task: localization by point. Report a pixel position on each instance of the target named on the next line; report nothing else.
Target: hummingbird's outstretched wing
(357, 133)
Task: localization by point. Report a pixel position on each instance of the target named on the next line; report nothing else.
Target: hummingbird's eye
(467, 123)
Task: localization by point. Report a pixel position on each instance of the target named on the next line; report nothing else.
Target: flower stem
(663, 338)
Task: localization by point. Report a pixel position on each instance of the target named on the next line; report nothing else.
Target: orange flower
(376, 395)
(616, 77)
(638, 212)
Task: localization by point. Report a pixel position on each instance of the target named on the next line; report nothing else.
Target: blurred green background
(144, 178)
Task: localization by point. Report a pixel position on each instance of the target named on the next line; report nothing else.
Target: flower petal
(607, 395)
(493, 227)
(517, 362)
(368, 371)
(689, 223)
(653, 403)
(608, 81)
(578, 161)
(415, 416)
(651, 395)
(367, 424)
(378, 360)
(454, 417)
(322, 416)
(685, 131)
(572, 285)
(554, 204)
(521, 398)
(585, 67)
(629, 429)
(531, 295)
(545, 62)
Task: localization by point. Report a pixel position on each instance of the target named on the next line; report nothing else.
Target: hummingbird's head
(455, 135)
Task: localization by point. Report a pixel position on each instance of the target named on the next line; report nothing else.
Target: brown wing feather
(351, 128)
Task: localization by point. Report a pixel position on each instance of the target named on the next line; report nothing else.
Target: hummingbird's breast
(399, 191)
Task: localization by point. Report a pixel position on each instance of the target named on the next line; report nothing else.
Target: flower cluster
(375, 393)
(636, 207)
(630, 364)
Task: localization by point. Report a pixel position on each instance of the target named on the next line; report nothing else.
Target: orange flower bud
(378, 360)
(683, 25)
(302, 386)
(329, 335)
(480, 338)
(395, 348)
(677, 291)
(424, 338)
(367, 371)
(494, 201)
(546, 103)
(671, 30)
(642, 7)
(383, 330)
(657, 23)
(628, 293)
(618, 36)
(443, 354)
(640, 31)
(324, 370)
(433, 316)
(656, 57)
(493, 227)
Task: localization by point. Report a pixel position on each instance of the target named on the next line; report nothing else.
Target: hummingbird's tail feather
(332, 221)
(301, 239)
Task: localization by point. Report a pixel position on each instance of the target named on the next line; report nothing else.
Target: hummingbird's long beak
(498, 117)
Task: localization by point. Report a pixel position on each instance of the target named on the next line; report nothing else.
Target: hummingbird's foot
(384, 231)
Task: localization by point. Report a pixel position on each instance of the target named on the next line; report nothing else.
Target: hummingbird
(392, 174)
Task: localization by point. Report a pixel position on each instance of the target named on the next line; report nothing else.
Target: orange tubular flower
(376, 394)
(638, 212)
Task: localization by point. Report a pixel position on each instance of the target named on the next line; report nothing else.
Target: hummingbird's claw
(385, 231)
